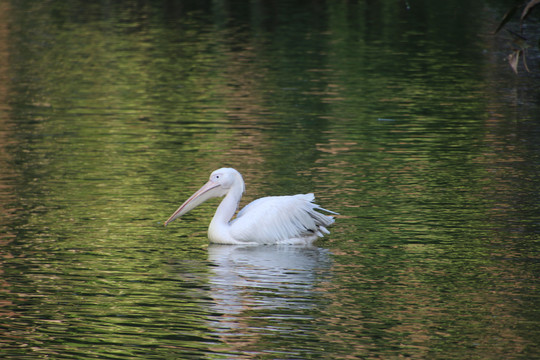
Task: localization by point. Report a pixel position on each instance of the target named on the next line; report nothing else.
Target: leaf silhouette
(513, 59)
(525, 62)
(528, 8)
(507, 17)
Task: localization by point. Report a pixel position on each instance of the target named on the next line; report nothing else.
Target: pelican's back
(280, 220)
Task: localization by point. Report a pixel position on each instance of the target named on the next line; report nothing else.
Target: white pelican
(269, 220)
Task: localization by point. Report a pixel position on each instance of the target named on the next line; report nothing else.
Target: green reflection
(116, 112)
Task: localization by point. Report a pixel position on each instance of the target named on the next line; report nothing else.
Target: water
(401, 116)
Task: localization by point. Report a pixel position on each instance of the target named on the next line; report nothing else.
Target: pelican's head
(220, 183)
(226, 177)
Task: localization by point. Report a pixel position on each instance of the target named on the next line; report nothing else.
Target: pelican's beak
(208, 191)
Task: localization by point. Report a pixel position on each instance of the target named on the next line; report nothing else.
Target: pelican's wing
(276, 219)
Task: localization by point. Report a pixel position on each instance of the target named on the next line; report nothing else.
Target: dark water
(400, 115)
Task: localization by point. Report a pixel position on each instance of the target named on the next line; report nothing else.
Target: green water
(401, 116)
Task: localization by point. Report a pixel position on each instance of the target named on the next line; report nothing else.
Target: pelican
(268, 220)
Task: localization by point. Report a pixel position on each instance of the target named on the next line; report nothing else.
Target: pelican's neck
(219, 229)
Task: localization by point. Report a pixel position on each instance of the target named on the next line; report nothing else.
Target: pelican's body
(269, 220)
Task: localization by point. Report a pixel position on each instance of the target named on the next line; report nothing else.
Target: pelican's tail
(321, 220)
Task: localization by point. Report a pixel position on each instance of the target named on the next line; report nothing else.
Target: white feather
(291, 219)
(278, 219)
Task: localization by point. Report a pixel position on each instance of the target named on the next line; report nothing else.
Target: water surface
(401, 116)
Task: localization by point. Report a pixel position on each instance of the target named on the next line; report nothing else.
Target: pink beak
(200, 196)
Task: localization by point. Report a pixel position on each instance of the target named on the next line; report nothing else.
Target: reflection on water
(401, 119)
(278, 288)
(265, 277)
